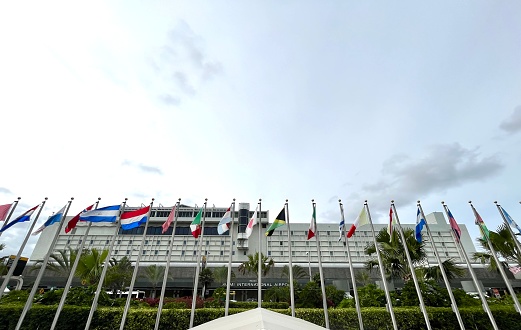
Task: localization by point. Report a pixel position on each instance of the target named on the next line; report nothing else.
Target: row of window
(193, 213)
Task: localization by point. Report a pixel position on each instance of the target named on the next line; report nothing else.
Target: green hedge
(107, 318)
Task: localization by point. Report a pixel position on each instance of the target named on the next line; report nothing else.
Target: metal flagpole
(10, 213)
(292, 293)
(472, 273)
(15, 261)
(73, 271)
(411, 268)
(499, 265)
(136, 269)
(197, 267)
(29, 301)
(454, 305)
(351, 269)
(320, 271)
(260, 261)
(94, 305)
(382, 270)
(516, 242)
(167, 267)
(229, 277)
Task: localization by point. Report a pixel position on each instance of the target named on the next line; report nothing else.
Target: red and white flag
(4, 209)
(169, 220)
(251, 223)
(361, 220)
(133, 219)
(390, 226)
(312, 230)
(74, 221)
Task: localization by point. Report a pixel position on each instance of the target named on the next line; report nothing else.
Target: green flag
(279, 221)
(195, 226)
(481, 224)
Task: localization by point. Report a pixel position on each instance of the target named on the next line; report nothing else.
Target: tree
(220, 275)
(251, 266)
(451, 270)
(393, 255)
(60, 262)
(154, 274)
(298, 272)
(119, 275)
(278, 294)
(90, 266)
(310, 296)
(206, 278)
(504, 245)
(363, 278)
(3, 266)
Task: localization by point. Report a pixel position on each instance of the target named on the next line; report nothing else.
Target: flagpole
(136, 269)
(472, 273)
(29, 301)
(411, 268)
(292, 293)
(94, 305)
(229, 277)
(167, 267)
(197, 267)
(15, 261)
(320, 271)
(10, 213)
(351, 269)
(382, 270)
(507, 224)
(454, 305)
(73, 271)
(259, 263)
(499, 265)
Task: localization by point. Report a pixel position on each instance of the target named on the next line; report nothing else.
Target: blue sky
(262, 99)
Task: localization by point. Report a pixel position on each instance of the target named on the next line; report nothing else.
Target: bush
(252, 304)
(175, 305)
(15, 297)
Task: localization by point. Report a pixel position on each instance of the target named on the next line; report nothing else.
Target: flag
(251, 223)
(515, 269)
(481, 224)
(454, 226)
(360, 221)
(390, 226)
(224, 224)
(510, 221)
(4, 209)
(420, 222)
(52, 219)
(104, 214)
(168, 221)
(312, 230)
(195, 226)
(279, 221)
(132, 219)
(341, 229)
(74, 221)
(21, 218)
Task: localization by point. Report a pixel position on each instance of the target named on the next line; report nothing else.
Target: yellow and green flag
(279, 221)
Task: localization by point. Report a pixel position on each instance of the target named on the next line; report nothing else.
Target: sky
(277, 100)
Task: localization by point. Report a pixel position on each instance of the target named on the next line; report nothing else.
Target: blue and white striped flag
(510, 221)
(104, 214)
(341, 229)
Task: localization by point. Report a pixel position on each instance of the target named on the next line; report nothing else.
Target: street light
(309, 265)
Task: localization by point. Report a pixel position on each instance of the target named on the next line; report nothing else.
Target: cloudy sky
(262, 99)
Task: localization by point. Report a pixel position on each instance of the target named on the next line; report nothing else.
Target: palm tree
(451, 270)
(298, 272)
(504, 245)
(119, 274)
(251, 266)
(90, 266)
(363, 278)
(393, 254)
(154, 274)
(60, 262)
(3, 266)
(220, 275)
(206, 278)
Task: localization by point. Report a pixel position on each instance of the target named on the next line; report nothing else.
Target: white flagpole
(229, 277)
(499, 265)
(454, 305)
(411, 268)
(291, 292)
(29, 301)
(94, 305)
(320, 271)
(136, 269)
(351, 269)
(15, 203)
(472, 273)
(15, 261)
(197, 267)
(259, 264)
(167, 267)
(73, 272)
(382, 270)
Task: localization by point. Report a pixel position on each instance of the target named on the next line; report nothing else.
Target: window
(330, 244)
(222, 242)
(307, 243)
(233, 253)
(195, 253)
(280, 243)
(182, 253)
(79, 242)
(144, 252)
(156, 252)
(107, 242)
(128, 251)
(293, 253)
(331, 253)
(281, 253)
(244, 252)
(328, 233)
(91, 241)
(119, 241)
(269, 253)
(130, 241)
(158, 242)
(116, 252)
(207, 242)
(146, 242)
(68, 241)
(222, 253)
(292, 233)
(184, 242)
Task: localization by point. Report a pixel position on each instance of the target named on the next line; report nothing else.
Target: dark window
(156, 252)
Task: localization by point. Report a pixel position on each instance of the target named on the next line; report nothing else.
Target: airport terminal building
(216, 249)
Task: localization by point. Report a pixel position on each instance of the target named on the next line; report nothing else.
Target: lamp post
(309, 265)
